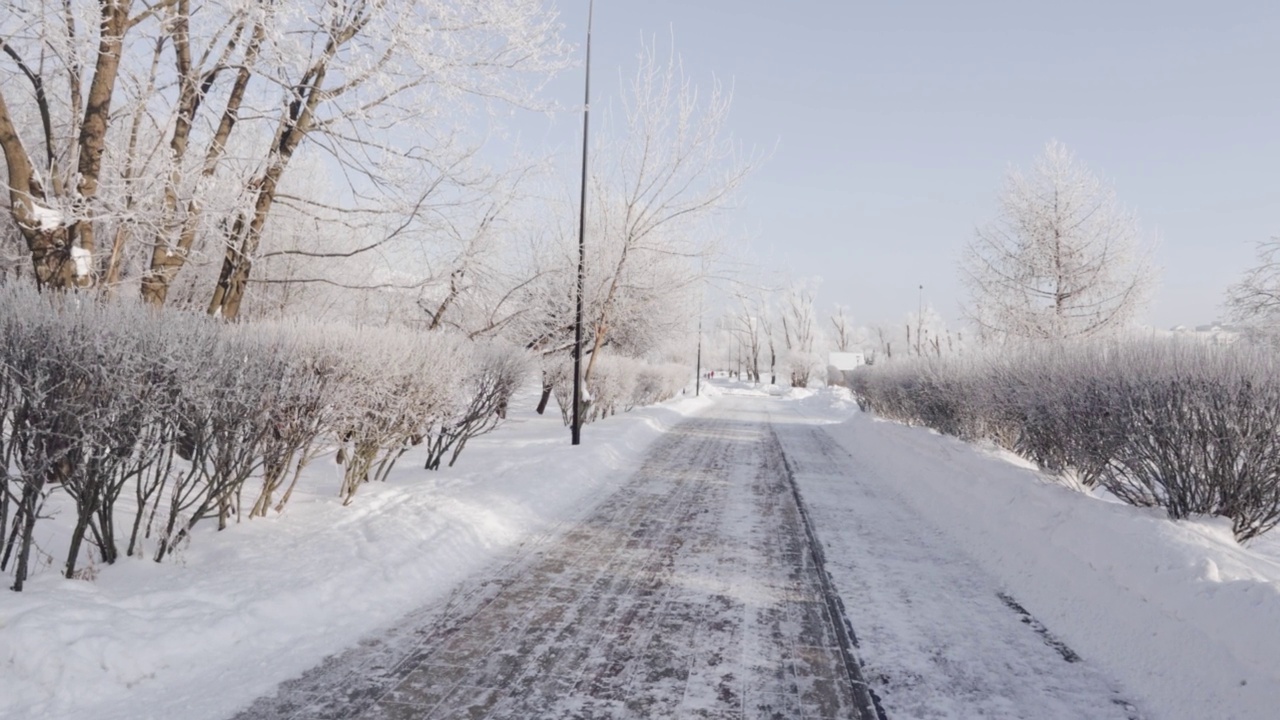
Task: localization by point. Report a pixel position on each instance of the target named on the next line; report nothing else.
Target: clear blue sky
(892, 124)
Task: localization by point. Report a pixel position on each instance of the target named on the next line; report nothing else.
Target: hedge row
(619, 382)
(151, 422)
(1190, 428)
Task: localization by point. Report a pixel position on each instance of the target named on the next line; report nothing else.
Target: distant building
(845, 360)
(1211, 334)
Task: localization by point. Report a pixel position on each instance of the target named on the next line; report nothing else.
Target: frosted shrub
(611, 385)
(1192, 429)
(803, 366)
(479, 401)
(161, 419)
(225, 417)
(48, 412)
(395, 386)
(299, 411)
(658, 383)
(558, 374)
(182, 348)
(1205, 436)
(618, 382)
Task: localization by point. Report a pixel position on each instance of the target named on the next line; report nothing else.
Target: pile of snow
(239, 611)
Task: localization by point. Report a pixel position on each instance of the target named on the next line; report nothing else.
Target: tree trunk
(546, 394)
(46, 236)
(93, 132)
(247, 234)
(169, 254)
(51, 240)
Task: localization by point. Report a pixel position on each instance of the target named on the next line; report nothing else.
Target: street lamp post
(697, 382)
(582, 246)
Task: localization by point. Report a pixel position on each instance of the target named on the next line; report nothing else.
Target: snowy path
(689, 593)
(570, 586)
(939, 637)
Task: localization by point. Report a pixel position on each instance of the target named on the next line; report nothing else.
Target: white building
(845, 360)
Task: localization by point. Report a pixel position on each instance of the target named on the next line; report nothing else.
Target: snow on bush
(618, 382)
(658, 383)
(151, 422)
(479, 401)
(1189, 428)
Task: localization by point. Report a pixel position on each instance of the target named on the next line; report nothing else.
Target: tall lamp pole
(582, 246)
(919, 322)
(697, 382)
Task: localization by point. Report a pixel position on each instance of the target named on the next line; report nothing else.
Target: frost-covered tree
(65, 61)
(843, 331)
(748, 327)
(356, 78)
(1063, 259)
(799, 331)
(665, 167)
(927, 334)
(140, 137)
(1254, 301)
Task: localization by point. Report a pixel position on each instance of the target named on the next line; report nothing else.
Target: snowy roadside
(1181, 618)
(206, 632)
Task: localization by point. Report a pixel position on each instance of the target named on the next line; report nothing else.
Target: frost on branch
(1062, 259)
(1190, 428)
(151, 424)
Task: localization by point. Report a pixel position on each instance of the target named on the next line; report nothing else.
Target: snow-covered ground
(237, 612)
(923, 535)
(1182, 620)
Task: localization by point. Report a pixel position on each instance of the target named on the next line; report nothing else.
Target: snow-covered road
(691, 592)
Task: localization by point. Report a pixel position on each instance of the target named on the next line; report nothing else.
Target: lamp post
(919, 321)
(582, 246)
(697, 381)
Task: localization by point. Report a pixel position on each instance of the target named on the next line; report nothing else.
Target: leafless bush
(494, 372)
(618, 383)
(611, 386)
(1189, 428)
(225, 416)
(658, 383)
(175, 413)
(300, 413)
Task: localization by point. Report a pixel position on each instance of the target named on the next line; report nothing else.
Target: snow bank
(239, 611)
(1182, 616)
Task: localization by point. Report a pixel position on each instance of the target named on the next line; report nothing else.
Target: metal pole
(697, 384)
(582, 247)
(919, 320)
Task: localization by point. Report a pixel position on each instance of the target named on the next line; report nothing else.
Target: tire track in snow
(868, 705)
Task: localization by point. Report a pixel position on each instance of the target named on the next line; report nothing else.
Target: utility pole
(582, 246)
